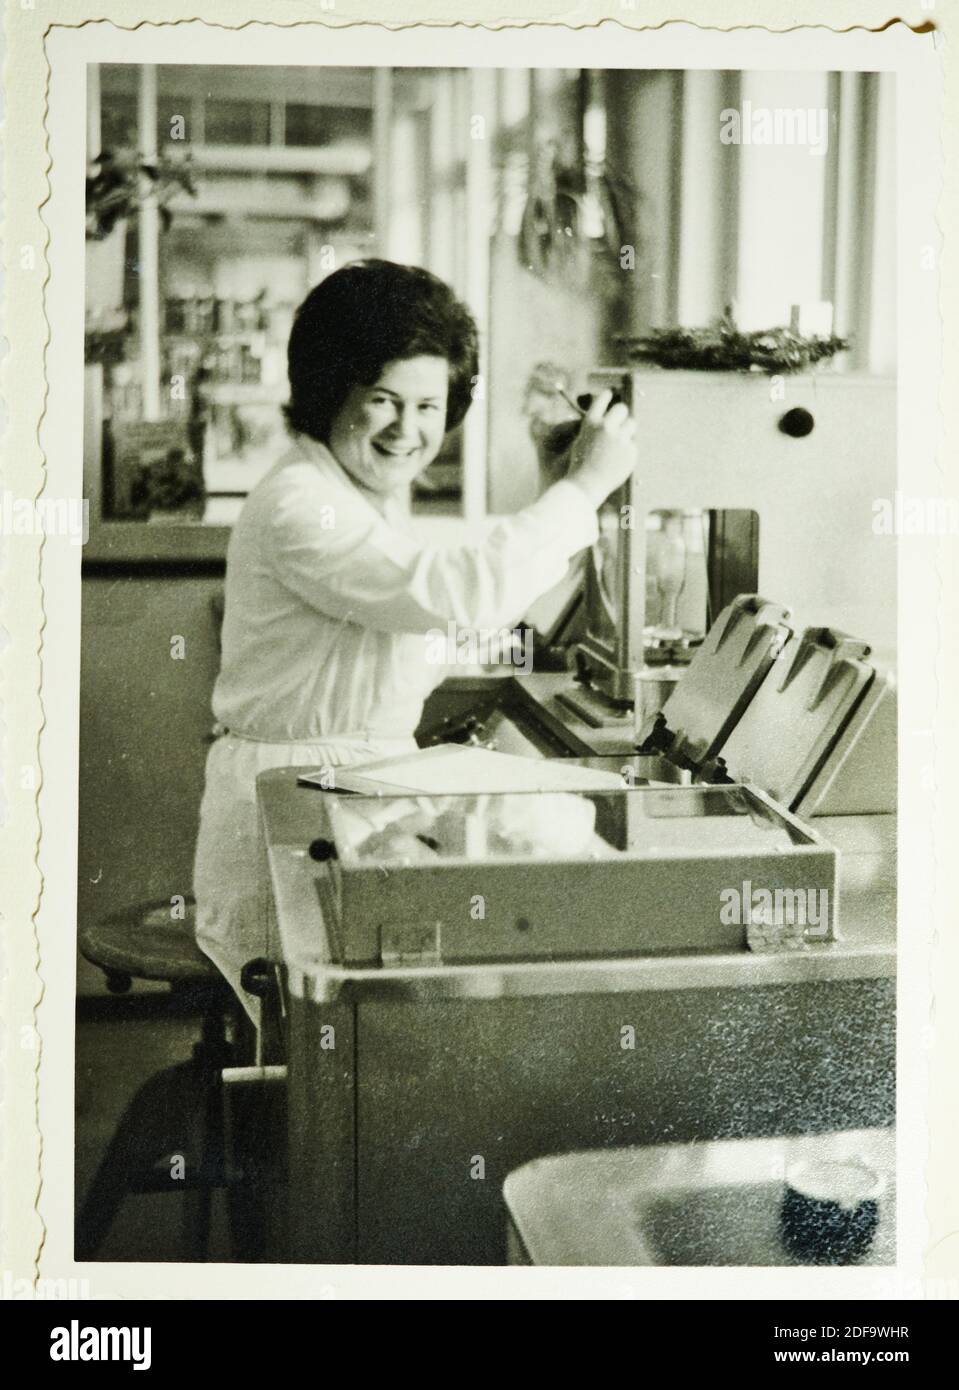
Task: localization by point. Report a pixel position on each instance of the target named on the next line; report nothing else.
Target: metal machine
(763, 727)
(744, 484)
(811, 718)
(556, 875)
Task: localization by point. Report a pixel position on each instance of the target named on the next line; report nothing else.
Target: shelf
(344, 158)
(246, 393)
(140, 543)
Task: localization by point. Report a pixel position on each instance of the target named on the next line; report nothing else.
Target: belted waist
(353, 737)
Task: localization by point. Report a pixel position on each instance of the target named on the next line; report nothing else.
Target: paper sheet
(451, 769)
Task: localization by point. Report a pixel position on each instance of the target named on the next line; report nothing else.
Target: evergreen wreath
(722, 347)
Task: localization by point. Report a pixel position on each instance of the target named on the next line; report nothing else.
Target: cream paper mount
(50, 43)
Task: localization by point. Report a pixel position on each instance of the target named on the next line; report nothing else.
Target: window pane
(322, 125)
(237, 122)
(118, 122)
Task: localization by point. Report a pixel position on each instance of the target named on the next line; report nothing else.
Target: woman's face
(387, 433)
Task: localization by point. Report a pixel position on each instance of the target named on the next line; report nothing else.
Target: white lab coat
(324, 658)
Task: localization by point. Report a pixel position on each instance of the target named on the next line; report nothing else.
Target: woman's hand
(604, 452)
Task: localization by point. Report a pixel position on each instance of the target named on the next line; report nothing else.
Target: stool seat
(145, 943)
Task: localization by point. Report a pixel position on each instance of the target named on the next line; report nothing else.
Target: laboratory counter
(414, 1089)
(865, 949)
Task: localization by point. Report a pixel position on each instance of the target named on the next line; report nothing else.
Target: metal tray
(707, 1203)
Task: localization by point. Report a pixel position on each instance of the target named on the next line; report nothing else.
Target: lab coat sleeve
(340, 556)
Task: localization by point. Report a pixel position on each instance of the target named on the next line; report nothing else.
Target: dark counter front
(413, 1091)
(400, 1152)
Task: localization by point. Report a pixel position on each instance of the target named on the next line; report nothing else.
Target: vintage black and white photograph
(493, 555)
(487, 784)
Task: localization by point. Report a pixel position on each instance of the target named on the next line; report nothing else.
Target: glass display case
(628, 872)
(216, 198)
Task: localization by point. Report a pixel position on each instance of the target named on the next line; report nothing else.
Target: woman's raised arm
(324, 541)
(341, 557)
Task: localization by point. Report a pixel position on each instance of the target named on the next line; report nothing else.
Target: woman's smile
(389, 432)
(392, 451)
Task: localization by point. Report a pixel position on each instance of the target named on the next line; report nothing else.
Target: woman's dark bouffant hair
(362, 317)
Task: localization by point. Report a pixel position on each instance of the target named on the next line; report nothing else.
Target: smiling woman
(389, 432)
(330, 597)
(368, 316)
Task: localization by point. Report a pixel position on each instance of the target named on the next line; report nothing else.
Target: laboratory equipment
(777, 511)
(810, 719)
(560, 875)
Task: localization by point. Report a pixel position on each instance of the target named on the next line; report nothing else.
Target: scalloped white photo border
(49, 42)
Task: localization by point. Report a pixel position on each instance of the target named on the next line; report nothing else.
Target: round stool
(146, 943)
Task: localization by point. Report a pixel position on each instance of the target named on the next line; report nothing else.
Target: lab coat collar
(393, 508)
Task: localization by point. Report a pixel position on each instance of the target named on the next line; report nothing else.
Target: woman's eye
(429, 405)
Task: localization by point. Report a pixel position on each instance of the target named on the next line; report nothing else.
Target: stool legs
(141, 1140)
(177, 1114)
